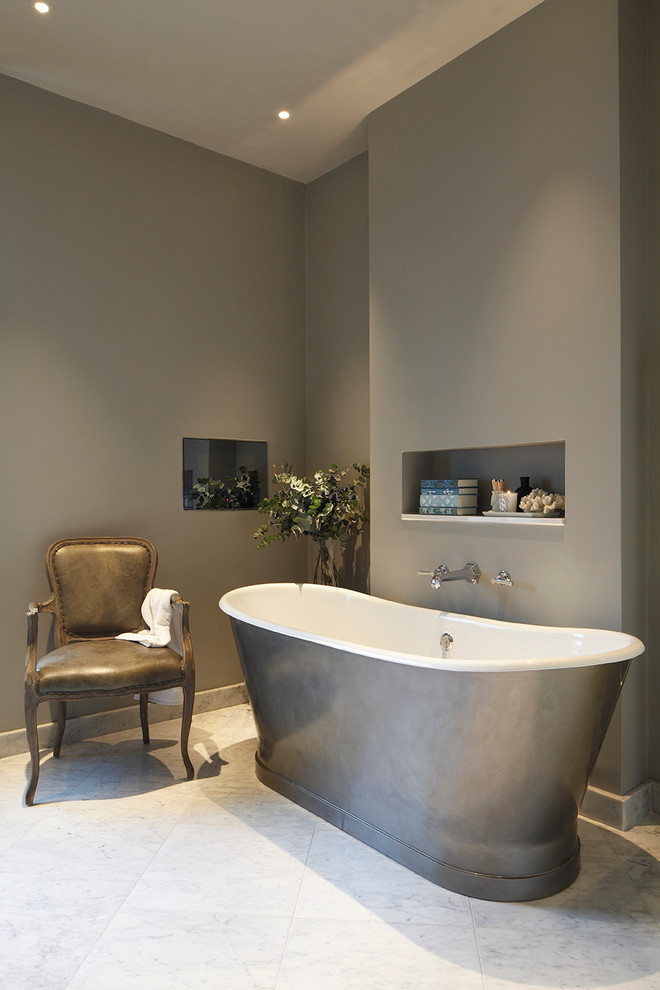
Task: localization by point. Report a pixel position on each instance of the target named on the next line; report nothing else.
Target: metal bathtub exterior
(472, 779)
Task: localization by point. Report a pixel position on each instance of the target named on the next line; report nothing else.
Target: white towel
(160, 630)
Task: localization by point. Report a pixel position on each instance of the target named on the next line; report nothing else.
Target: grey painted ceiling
(216, 72)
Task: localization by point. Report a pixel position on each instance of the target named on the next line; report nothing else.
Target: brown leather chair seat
(117, 665)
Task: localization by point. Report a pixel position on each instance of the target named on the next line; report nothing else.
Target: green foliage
(325, 506)
(232, 493)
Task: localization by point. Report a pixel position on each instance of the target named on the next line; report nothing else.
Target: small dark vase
(525, 489)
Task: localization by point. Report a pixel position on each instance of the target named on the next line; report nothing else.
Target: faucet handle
(436, 575)
(503, 578)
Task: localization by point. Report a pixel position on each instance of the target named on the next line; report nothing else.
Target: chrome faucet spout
(469, 573)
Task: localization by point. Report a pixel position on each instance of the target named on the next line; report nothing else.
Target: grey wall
(496, 319)
(337, 221)
(338, 330)
(634, 129)
(151, 290)
(654, 391)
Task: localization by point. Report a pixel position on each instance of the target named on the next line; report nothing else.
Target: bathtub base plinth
(461, 881)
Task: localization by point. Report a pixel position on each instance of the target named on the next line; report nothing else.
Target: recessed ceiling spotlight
(284, 115)
(42, 8)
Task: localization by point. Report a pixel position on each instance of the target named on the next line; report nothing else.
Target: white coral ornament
(542, 502)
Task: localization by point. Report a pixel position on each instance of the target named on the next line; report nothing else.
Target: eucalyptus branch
(328, 506)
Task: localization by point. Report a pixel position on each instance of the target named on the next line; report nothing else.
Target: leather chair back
(99, 585)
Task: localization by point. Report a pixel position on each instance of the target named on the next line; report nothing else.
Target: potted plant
(232, 493)
(326, 507)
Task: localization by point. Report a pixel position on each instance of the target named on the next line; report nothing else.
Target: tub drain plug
(446, 643)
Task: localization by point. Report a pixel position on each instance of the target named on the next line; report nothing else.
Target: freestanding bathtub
(468, 769)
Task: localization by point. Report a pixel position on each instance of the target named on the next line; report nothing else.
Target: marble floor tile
(640, 859)
(347, 879)
(231, 802)
(571, 960)
(44, 950)
(237, 723)
(32, 888)
(184, 950)
(60, 778)
(124, 774)
(83, 843)
(131, 814)
(271, 848)
(343, 955)
(225, 870)
(11, 831)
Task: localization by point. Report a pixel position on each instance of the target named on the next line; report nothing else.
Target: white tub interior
(387, 630)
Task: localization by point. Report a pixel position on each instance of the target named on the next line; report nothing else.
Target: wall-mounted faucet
(469, 573)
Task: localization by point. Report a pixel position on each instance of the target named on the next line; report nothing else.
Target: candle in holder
(504, 501)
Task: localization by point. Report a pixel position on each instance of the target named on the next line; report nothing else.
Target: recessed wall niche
(224, 474)
(543, 462)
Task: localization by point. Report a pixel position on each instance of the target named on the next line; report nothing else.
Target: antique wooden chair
(98, 588)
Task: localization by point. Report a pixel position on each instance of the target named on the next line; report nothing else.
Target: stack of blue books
(448, 497)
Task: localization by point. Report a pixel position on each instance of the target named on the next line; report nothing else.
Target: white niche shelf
(524, 521)
(542, 462)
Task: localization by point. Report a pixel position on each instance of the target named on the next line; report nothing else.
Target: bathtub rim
(631, 648)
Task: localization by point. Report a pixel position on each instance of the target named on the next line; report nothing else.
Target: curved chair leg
(144, 717)
(186, 720)
(61, 726)
(33, 743)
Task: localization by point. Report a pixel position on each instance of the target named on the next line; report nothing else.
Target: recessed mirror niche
(224, 474)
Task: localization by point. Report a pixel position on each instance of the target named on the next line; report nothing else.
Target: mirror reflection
(223, 474)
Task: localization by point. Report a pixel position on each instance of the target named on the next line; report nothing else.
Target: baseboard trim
(655, 797)
(14, 742)
(621, 811)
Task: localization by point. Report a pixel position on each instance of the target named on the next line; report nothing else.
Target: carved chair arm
(34, 610)
(183, 609)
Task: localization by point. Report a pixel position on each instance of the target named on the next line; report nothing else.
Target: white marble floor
(124, 875)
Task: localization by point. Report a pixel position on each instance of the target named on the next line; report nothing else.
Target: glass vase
(325, 570)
